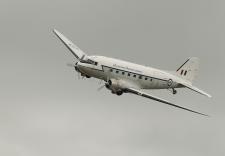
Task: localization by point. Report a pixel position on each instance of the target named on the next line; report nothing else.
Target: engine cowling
(116, 86)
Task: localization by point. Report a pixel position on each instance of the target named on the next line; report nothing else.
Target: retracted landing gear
(120, 92)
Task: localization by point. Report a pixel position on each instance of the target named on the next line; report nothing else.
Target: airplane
(126, 77)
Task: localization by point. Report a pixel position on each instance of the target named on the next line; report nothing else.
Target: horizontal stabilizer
(196, 89)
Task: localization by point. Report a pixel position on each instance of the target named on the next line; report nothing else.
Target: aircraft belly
(162, 84)
(155, 84)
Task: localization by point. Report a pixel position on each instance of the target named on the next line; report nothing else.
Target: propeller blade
(101, 87)
(100, 82)
(70, 65)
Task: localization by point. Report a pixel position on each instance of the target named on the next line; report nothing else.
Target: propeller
(78, 76)
(70, 65)
(101, 87)
(75, 67)
(107, 85)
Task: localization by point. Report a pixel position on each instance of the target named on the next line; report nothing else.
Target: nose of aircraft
(77, 66)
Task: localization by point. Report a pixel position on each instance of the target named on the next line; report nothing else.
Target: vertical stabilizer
(189, 69)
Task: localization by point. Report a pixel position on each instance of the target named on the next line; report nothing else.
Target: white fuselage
(132, 74)
(126, 77)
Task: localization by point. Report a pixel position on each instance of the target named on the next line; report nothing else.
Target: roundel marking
(169, 82)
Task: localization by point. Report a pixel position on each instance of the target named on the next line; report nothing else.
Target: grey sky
(45, 110)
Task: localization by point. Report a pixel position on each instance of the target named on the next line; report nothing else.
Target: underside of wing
(79, 54)
(140, 93)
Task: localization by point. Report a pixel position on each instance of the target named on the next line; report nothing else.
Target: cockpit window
(89, 61)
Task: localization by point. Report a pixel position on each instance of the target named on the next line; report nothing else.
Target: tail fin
(189, 69)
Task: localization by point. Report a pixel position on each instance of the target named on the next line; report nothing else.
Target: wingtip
(54, 30)
(208, 95)
(57, 33)
(206, 115)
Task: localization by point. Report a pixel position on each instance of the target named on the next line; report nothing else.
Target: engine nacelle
(116, 86)
(113, 84)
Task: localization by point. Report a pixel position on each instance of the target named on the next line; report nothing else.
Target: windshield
(89, 61)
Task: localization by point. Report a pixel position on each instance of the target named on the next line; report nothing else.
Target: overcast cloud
(46, 111)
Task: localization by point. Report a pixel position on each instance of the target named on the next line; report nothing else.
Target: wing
(79, 54)
(137, 92)
(189, 86)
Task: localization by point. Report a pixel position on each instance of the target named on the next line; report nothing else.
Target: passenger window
(134, 76)
(140, 77)
(117, 71)
(128, 74)
(146, 78)
(185, 72)
(123, 73)
(151, 79)
(111, 70)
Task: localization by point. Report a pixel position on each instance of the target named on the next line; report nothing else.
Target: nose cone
(77, 66)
